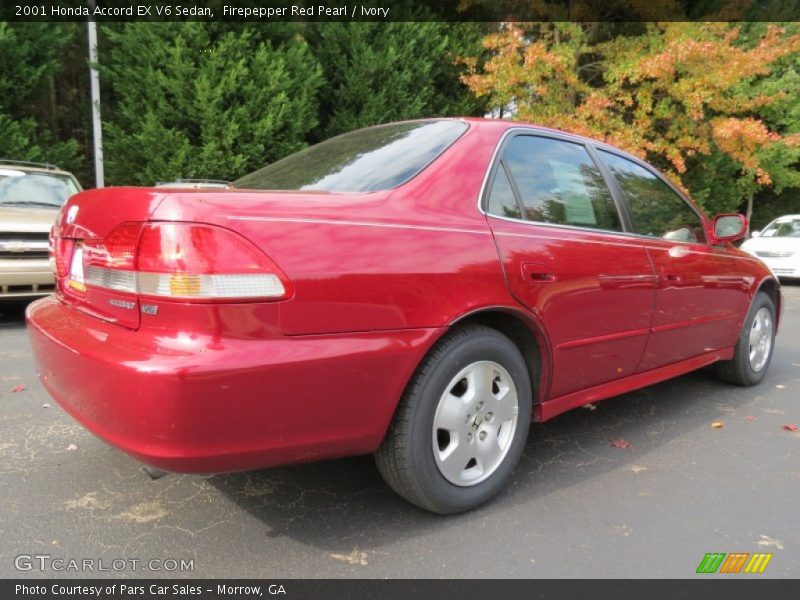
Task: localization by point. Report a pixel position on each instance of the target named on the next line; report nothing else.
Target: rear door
(561, 239)
(701, 292)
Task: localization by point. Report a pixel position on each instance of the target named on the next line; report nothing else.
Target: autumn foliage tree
(669, 92)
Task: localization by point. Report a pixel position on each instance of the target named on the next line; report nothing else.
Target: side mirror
(755, 234)
(729, 228)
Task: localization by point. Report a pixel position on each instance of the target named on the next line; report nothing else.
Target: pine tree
(194, 100)
(381, 72)
(29, 60)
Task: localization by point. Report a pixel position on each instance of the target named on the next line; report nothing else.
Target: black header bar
(250, 11)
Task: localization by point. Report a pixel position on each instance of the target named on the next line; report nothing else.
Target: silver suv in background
(30, 196)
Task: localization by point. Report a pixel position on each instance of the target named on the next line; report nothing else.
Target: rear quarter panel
(420, 255)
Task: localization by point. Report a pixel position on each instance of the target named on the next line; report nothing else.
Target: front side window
(366, 160)
(655, 209)
(558, 182)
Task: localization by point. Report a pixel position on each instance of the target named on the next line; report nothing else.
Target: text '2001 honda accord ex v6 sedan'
(419, 290)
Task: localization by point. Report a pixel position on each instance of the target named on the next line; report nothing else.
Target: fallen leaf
(18, 388)
(620, 443)
(750, 418)
(72, 447)
(717, 425)
(790, 427)
(590, 406)
(768, 541)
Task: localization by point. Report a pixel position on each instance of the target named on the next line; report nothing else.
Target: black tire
(406, 457)
(738, 370)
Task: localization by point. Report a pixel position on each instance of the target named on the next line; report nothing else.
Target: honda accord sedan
(419, 290)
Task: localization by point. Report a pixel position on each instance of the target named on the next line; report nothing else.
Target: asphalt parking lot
(578, 506)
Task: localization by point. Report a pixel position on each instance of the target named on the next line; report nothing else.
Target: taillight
(183, 261)
(111, 262)
(57, 253)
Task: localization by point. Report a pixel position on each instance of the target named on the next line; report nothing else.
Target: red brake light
(117, 250)
(198, 249)
(185, 261)
(56, 253)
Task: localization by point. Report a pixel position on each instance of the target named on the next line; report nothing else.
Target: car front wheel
(754, 347)
(461, 425)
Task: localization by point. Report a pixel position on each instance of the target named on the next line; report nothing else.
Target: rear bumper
(204, 404)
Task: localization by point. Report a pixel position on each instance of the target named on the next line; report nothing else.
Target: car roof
(505, 124)
(48, 170)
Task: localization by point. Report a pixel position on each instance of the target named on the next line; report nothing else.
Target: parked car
(778, 245)
(30, 196)
(421, 290)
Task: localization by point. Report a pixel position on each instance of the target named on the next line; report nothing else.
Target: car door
(566, 257)
(701, 291)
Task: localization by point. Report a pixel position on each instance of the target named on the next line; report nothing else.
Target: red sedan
(420, 290)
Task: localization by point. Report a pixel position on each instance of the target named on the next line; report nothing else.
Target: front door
(701, 292)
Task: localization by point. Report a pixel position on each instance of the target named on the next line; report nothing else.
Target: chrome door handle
(536, 273)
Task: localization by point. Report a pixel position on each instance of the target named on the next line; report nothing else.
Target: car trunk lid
(86, 219)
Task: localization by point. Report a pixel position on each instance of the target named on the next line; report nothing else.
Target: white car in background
(778, 245)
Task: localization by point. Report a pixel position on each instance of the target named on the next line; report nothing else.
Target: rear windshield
(367, 160)
(25, 188)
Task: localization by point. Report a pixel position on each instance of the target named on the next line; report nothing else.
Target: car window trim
(514, 189)
(613, 187)
(497, 161)
(617, 190)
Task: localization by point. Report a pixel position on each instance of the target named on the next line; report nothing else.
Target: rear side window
(558, 182)
(655, 209)
(367, 160)
(502, 201)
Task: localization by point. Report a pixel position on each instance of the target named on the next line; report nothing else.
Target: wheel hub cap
(474, 424)
(760, 339)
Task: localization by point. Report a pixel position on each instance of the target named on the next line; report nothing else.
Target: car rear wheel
(754, 347)
(461, 425)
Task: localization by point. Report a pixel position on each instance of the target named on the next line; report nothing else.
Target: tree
(675, 93)
(194, 100)
(381, 72)
(29, 61)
